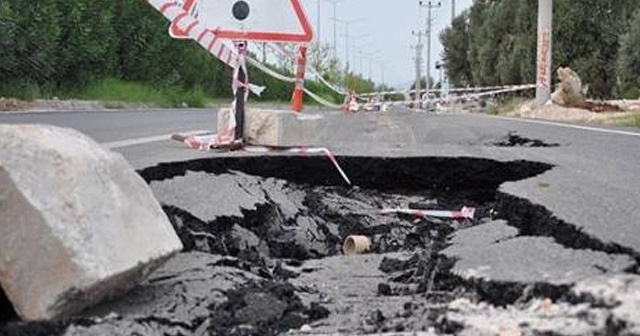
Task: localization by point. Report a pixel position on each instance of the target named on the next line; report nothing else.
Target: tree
(499, 41)
(89, 37)
(629, 60)
(29, 38)
(455, 41)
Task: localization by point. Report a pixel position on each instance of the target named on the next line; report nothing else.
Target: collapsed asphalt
(263, 255)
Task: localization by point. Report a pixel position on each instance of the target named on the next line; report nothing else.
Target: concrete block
(77, 223)
(276, 128)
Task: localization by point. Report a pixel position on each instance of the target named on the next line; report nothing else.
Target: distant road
(121, 124)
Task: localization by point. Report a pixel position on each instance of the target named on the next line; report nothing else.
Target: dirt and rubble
(555, 112)
(263, 238)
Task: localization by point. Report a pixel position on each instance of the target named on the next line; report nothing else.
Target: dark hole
(7, 313)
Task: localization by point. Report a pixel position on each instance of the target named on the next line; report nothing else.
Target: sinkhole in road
(288, 209)
(283, 219)
(293, 207)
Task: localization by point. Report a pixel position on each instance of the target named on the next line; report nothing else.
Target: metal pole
(453, 10)
(428, 75)
(319, 31)
(240, 95)
(429, 6)
(347, 47)
(335, 31)
(543, 68)
(418, 94)
(335, 34)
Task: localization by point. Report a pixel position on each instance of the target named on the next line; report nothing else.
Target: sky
(383, 31)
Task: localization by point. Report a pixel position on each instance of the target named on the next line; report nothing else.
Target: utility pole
(335, 32)
(429, 5)
(360, 48)
(418, 59)
(347, 24)
(453, 11)
(319, 31)
(543, 68)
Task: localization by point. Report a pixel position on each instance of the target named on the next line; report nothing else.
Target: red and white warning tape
(206, 141)
(281, 49)
(464, 213)
(301, 151)
(181, 19)
(287, 79)
(184, 23)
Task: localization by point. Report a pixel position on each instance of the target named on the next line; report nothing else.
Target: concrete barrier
(77, 223)
(276, 128)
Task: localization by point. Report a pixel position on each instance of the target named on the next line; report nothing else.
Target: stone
(569, 92)
(77, 224)
(275, 128)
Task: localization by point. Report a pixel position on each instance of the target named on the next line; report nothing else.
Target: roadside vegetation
(494, 43)
(120, 49)
(630, 121)
(507, 105)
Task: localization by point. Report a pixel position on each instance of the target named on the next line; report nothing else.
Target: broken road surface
(553, 246)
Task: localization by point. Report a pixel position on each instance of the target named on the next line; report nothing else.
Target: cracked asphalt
(563, 256)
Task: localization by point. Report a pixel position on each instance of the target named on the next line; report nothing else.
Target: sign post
(240, 95)
(241, 21)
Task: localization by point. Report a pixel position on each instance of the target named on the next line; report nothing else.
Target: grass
(507, 106)
(630, 121)
(114, 90)
(116, 93)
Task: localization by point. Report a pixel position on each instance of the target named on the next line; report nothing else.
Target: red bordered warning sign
(254, 20)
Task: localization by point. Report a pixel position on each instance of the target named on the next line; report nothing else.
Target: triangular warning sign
(255, 20)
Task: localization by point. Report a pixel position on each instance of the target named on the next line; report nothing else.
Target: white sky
(386, 27)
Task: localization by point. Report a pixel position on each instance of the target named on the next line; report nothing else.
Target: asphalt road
(594, 186)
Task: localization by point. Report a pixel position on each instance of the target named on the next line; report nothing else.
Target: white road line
(551, 123)
(145, 140)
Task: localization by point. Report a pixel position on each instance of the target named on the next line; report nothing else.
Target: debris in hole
(356, 245)
(262, 309)
(620, 293)
(464, 213)
(514, 140)
(532, 318)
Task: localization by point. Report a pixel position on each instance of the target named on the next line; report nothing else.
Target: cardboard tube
(356, 245)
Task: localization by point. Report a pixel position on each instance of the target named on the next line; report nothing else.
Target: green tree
(88, 49)
(29, 38)
(500, 42)
(455, 41)
(629, 60)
